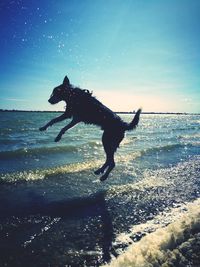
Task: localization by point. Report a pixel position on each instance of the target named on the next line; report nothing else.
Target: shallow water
(55, 212)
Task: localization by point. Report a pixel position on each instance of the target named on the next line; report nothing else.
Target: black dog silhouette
(83, 107)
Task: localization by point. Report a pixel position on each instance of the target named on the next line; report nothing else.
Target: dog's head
(59, 92)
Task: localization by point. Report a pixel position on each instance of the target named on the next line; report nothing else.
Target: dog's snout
(53, 100)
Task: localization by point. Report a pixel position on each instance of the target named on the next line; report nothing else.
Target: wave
(167, 147)
(32, 175)
(45, 150)
(163, 148)
(35, 151)
(94, 144)
(72, 167)
(167, 246)
(197, 127)
(190, 139)
(190, 136)
(75, 147)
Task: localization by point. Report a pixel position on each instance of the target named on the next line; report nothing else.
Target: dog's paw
(103, 177)
(42, 128)
(99, 171)
(57, 139)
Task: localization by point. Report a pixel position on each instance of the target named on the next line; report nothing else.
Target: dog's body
(83, 107)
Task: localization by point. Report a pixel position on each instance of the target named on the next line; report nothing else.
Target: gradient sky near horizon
(131, 53)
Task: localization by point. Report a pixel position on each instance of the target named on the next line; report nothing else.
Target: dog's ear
(66, 81)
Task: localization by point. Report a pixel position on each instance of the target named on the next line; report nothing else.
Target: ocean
(55, 212)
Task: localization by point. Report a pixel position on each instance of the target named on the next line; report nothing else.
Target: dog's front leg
(63, 130)
(60, 118)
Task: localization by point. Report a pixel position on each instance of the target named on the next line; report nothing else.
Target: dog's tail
(134, 122)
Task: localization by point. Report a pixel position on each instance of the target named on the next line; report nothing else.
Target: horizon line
(120, 112)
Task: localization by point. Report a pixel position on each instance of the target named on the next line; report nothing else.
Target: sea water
(55, 212)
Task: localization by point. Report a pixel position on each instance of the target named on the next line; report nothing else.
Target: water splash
(160, 248)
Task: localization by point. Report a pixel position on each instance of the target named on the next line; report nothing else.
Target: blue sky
(131, 53)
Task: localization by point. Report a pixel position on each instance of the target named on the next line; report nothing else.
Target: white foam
(157, 248)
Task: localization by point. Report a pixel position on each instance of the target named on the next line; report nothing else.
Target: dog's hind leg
(110, 165)
(110, 143)
(105, 145)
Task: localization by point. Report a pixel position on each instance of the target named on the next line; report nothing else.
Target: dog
(83, 107)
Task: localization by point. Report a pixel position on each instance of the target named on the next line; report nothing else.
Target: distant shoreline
(119, 112)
